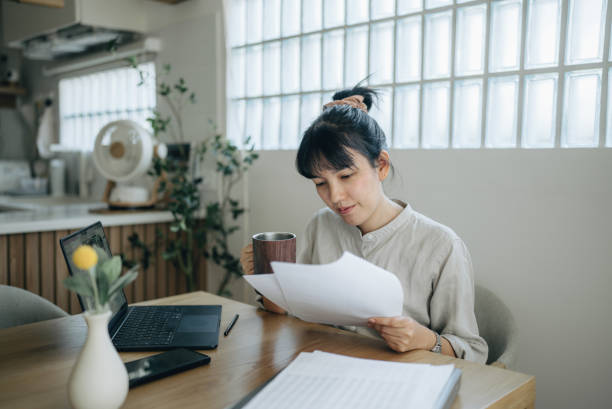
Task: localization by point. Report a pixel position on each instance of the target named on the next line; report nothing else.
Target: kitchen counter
(24, 214)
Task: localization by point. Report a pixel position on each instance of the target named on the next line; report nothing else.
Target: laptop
(148, 328)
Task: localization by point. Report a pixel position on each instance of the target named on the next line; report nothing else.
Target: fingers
(396, 322)
(246, 259)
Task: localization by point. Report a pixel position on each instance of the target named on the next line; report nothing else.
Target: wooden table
(36, 359)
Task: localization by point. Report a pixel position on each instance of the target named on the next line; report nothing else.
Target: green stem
(92, 272)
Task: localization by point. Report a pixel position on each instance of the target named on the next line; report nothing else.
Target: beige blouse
(431, 261)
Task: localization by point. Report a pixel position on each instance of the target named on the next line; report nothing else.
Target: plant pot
(99, 379)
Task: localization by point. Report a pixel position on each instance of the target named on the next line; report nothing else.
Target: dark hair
(326, 142)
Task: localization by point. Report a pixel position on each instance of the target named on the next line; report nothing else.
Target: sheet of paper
(329, 381)
(346, 292)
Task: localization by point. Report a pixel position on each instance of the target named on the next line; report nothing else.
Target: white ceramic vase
(99, 379)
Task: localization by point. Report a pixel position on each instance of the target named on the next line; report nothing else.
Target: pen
(231, 325)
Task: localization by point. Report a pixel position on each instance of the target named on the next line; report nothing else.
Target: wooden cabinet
(34, 261)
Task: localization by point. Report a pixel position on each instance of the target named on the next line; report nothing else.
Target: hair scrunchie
(356, 101)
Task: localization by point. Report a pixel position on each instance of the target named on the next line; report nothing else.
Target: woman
(344, 153)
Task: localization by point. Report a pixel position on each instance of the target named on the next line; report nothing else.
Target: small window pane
(467, 118)
(581, 109)
(333, 12)
(543, 33)
(271, 68)
(311, 16)
(235, 122)
(271, 124)
(237, 18)
(381, 53)
(409, 6)
(539, 111)
(408, 49)
(311, 62)
(469, 49)
(430, 4)
(436, 98)
(253, 121)
(237, 74)
(382, 9)
(309, 110)
(357, 11)
(253, 55)
(271, 19)
(381, 111)
(585, 31)
(254, 13)
(333, 50)
(406, 128)
(291, 65)
(290, 132)
(505, 35)
(437, 44)
(356, 64)
(502, 98)
(291, 17)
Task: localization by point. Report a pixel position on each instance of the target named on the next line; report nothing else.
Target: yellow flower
(85, 257)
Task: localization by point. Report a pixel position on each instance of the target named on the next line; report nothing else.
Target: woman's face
(354, 193)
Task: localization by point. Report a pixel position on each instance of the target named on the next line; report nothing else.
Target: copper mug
(272, 246)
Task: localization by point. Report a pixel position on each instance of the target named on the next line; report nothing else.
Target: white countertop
(25, 214)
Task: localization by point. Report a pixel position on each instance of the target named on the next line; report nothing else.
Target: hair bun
(368, 95)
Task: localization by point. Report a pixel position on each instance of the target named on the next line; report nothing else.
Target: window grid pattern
(89, 102)
(453, 73)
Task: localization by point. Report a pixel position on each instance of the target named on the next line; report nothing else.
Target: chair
(18, 307)
(497, 326)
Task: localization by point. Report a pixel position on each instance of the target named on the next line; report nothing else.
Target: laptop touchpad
(198, 323)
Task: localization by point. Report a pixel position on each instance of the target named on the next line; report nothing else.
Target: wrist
(431, 339)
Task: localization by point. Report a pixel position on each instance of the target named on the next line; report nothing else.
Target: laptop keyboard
(148, 326)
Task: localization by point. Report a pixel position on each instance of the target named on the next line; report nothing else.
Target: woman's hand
(247, 262)
(403, 334)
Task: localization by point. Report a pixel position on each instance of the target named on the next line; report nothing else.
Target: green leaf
(80, 284)
(122, 282)
(111, 268)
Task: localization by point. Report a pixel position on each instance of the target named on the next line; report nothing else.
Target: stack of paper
(345, 292)
(328, 381)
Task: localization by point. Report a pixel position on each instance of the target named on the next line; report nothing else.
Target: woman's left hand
(403, 334)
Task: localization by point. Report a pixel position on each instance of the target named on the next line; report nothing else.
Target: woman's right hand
(247, 262)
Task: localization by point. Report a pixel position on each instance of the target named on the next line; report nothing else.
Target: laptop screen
(94, 236)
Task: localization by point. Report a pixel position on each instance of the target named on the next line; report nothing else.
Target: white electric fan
(123, 153)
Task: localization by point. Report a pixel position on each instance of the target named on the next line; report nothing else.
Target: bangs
(324, 149)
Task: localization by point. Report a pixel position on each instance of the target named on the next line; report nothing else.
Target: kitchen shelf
(8, 95)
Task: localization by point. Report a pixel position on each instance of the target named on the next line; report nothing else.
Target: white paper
(329, 381)
(346, 292)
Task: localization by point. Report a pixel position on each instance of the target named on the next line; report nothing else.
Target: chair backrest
(18, 307)
(497, 326)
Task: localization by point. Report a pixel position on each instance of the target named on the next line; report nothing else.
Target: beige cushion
(18, 307)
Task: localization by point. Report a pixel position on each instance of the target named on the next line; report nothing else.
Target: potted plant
(99, 374)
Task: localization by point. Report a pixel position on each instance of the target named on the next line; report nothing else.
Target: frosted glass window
(271, 19)
(357, 11)
(254, 20)
(310, 109)
(505, 35)
(470, 38)
(502, 99)
(237, 20)
(271, 123)
(543, 22)
(253, 85)
(381, 53)
(409, 6)
(381, 111)
(271, 68)
(408, 49)
(290, 132)
(290, 81)
(382, 9)
(437, 45)
(436, 98)
(581, 109)
(311, 62)
(356, 63)
(254, 109)
(333, 52)
(118, 96)
(467, 116)
(311, 15)
(539, 111)
(237, 74)
(430, 4)
(333, 13)
(586, 19)
(290, 17)
(407, 117)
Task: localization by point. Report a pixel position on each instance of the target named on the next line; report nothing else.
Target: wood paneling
(34, 261)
